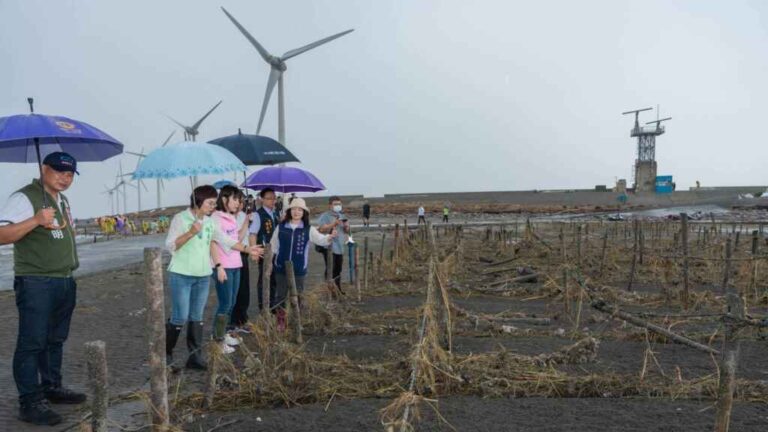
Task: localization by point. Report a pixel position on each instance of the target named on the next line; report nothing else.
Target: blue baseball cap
(61, 161)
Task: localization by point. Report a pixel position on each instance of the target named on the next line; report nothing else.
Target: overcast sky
(424, 96)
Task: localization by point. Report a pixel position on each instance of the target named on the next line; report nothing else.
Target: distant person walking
(366, 214)
(44, 257)
(189, 239)
(290, 242)
(446, 211)
(332, 219)
(421, 213)
(262, 227)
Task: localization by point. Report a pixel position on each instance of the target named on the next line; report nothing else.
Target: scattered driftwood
(604, 307)
(533, 277)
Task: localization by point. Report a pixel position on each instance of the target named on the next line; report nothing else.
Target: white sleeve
(226, 242)
(17, 209)
(274, 242)
(175, 230)
(319, 239)
(255, 224)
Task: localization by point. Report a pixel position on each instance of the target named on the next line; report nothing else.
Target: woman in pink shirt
(226, 275)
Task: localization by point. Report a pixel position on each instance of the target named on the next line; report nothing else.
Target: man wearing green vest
(38, 221)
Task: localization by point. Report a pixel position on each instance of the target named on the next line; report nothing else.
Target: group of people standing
(216, 237)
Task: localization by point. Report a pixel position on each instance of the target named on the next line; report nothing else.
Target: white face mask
(337, 208)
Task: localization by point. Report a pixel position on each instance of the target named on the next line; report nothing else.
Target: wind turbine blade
(274, 76)
(141, 155)
(175, 121)
(305, 48)
(162, 184)
(264, 53)
(168, 139)
(141, 183)
(199, 122)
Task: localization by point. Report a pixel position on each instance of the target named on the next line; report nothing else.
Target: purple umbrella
(23, 138)
(284, 179)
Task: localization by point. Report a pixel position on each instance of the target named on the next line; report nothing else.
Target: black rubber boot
(195, 346)
(172, 333)
(38, 412)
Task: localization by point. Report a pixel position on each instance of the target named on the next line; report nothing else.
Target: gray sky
(424, 96)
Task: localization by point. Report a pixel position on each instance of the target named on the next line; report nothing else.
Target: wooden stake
(266, 275)
(684, 246)
(96, 358)
(153, 281)
(365, 268)
(728, 364)
(295, 309)
(727, 269)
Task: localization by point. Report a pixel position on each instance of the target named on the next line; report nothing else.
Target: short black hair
(265, 191)
(200, 194)
(333, 198)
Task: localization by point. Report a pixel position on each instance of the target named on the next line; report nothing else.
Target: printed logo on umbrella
(67, 127)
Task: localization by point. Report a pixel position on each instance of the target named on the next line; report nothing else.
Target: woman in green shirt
(190, 238)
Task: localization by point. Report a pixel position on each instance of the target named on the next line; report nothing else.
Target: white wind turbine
(159, 182)
(190, 132)
(278, 67)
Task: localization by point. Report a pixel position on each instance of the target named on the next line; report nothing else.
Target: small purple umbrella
(284, 179)
(24, 137)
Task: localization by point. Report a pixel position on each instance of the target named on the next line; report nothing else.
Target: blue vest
(267, 227)
(293, 247)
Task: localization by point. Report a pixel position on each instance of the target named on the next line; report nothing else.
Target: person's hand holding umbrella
(46, 217)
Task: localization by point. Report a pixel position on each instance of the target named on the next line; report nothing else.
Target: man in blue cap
(38, 221)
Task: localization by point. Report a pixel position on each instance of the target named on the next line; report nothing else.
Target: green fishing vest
(44, 252)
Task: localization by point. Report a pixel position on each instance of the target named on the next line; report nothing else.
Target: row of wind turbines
(278, 68)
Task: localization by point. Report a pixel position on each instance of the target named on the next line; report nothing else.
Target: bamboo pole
(727, 267)
(153, 280)
(265, 283)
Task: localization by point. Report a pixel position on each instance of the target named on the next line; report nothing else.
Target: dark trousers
(338, 262)
(243, 300)
(445, 218)
(45, 307)
(421, 220)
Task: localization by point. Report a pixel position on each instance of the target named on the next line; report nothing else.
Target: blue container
(664, 184)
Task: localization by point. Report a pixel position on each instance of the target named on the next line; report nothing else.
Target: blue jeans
(189, 294)
(226, 292)
(45, 307)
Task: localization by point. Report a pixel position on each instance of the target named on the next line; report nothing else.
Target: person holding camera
(332, 219)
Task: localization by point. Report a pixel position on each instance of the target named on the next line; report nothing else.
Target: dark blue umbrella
(23, 138)
(255, 149)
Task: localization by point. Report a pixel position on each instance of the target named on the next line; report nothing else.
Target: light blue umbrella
(221, 183)
(187, 159)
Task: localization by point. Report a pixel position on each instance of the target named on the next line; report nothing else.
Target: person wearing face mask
(190, 240)
(290, 242)
(335, 219)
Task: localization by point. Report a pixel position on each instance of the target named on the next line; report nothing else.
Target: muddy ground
(111, 308)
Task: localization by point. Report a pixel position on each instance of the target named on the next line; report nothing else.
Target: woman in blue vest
(290, 242)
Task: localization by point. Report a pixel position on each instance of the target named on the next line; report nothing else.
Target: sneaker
(226, 349)
(245, 330)
(38, 413)
(63, 395)
(231, 341)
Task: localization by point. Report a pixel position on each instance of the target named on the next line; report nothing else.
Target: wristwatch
(217, 266)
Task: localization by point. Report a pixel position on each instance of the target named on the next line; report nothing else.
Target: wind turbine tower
(645, 164)
(277, 69)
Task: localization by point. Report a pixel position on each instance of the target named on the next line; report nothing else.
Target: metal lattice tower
(645, 163)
